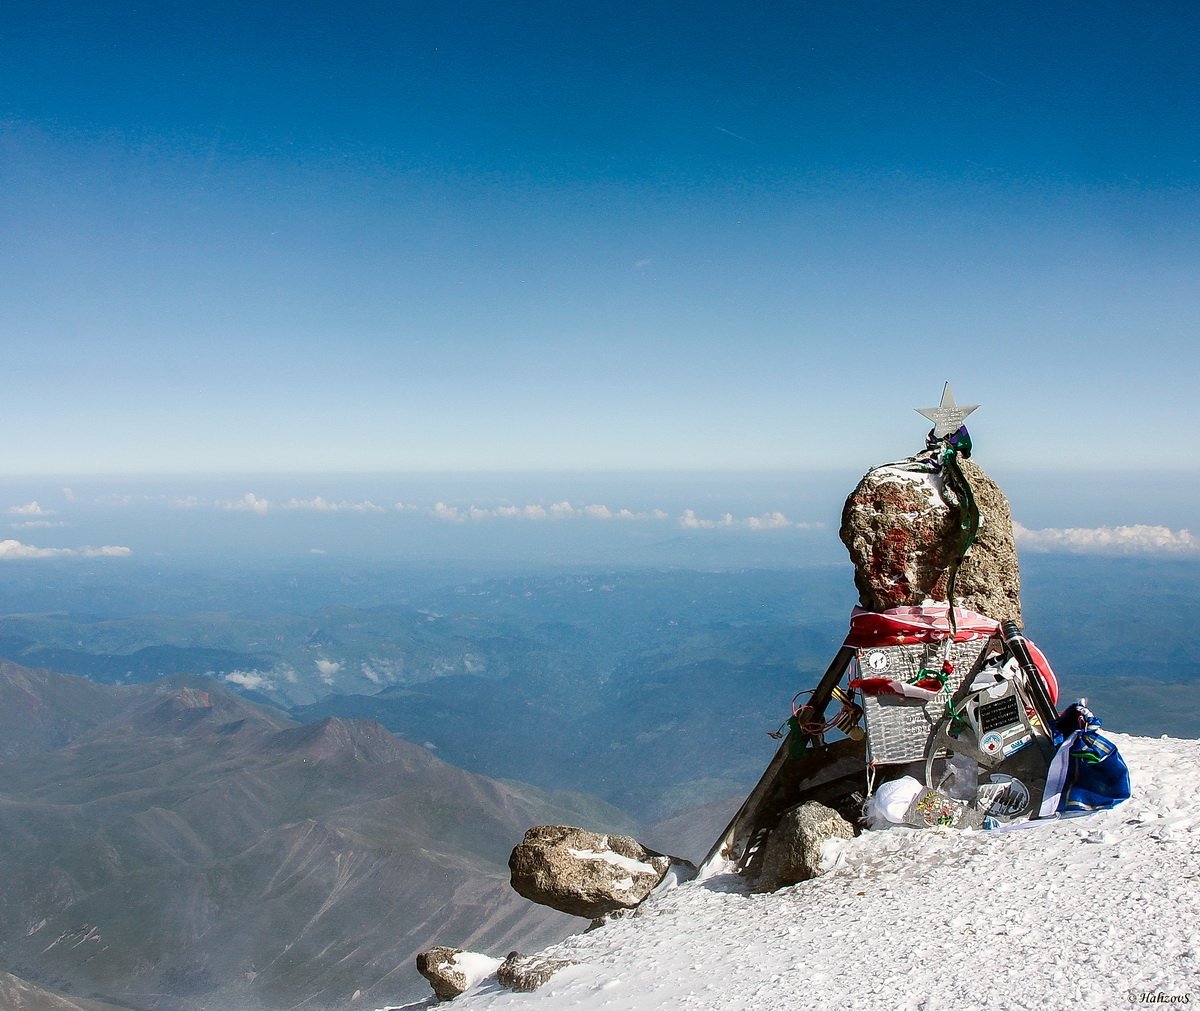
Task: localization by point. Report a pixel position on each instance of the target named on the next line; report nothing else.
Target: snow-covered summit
(1100, 911)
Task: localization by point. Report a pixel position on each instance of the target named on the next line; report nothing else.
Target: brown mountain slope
(193, 851)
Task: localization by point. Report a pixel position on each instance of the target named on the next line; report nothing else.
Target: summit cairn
(946, 715)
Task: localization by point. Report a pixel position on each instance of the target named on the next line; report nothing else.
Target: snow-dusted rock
(525, 973)
(452, 971)
(902, 531)
(797, 848)
(584, 873)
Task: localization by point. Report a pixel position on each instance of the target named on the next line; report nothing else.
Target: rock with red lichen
(902, 530)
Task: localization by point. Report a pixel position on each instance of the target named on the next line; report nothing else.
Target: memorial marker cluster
(959, 714)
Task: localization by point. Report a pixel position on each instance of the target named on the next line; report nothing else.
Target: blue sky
(392, 236)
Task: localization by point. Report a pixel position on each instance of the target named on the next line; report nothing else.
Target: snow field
(1099, 912)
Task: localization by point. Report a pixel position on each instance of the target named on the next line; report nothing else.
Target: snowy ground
(1094, 912)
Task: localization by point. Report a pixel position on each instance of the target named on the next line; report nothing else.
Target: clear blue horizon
(466, 236)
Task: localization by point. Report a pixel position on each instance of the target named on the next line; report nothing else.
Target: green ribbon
(798, 740)
(953, 478)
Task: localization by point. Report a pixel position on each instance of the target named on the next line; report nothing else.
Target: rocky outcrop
(452, 971)
(525, 973)
(796, 848)
(584, 873)
(901, 528)
(437, 966)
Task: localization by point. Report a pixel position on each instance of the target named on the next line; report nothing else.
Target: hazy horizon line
(824, 468)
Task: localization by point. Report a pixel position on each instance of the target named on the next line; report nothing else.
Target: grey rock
(437, 966)
(901, 529)
(525, 973)
(585, 873)
(793, 849)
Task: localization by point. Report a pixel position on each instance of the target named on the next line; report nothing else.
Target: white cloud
(247, 503)
(768, 521)
(1134, 539)
(317, 551)
(107, 551)
(15, 549)
(450, 514)
(653, 514)
(189, 502)
(327, 668)
(690, 521)
(10, 549)
(69, 494)
(38, 524)
(251, 680)
(321, 505)
(29, 509)
(371, 674)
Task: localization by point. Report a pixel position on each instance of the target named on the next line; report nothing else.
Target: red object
(904, 626)
(1044, 668)
(890, 686)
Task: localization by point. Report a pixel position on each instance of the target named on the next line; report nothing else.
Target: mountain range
(173, 846)
(281, 832)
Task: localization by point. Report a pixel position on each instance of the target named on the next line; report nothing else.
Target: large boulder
(525, 973)
(902, 530)
(797, 848)
(584, 873)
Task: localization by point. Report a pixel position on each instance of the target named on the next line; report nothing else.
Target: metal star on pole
(948, 416)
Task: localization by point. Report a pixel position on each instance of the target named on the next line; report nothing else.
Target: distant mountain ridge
(667, 681)
(149, 663)
(176, 847)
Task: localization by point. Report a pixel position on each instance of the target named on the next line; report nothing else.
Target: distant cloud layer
(556, 511)
(320, 505)
(1124, 540)
(11, 549)
(564, 509)
(766, 521)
